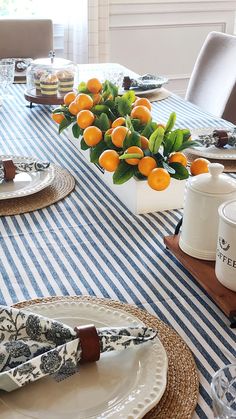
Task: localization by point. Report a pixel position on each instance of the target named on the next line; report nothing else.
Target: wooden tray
(32, 97)
(204, 273)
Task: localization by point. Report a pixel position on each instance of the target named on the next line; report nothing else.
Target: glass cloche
(49, 79)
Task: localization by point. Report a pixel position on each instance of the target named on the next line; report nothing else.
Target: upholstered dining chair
(212, 84)
(25, 38)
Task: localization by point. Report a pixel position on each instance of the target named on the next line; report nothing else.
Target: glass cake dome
(49, 79)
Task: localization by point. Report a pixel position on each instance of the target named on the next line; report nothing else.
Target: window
(45, 9)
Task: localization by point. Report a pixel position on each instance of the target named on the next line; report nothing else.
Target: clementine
(142, 113)
(85, 118)
(109, 160)
(159, 179)
(92, 136)
(146, 165)
(133, 150)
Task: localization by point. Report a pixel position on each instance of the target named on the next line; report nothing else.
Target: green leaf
(189, 144)
(109, 89)
(178, 140)
(130, 96)
(77, 131)
(180, 171)
(171, 122)
(168, 142)
(136, 124)
(62, 109)
(130, 156)
(65, 123)
(83, 144)
(102, 122)
(123, 173)
(96, 151)
(128, 123)
(82, 88)
(132, 139)
(124, 106)
(149, 129)
(156, 139)
(186, 134)
(111, 104)
(99, 109)
(173, 141)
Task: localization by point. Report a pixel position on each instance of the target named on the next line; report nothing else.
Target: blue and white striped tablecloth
(89, 243)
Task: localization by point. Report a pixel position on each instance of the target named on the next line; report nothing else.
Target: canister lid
(214, 182)
(57, 62)
(228, 211)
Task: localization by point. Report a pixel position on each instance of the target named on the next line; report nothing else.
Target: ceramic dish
(25, 183)
(212, 152)
(123, 385)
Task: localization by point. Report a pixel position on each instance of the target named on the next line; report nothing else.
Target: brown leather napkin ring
(9, 169)
(89, 341)
(222, 137)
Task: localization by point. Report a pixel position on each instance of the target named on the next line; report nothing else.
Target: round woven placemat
(181, 394)
(63, 183)
(229, 165)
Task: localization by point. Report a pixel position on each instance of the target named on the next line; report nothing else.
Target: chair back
(212, 84)
(25, 38)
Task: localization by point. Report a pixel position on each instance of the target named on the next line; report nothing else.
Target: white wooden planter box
(138, 197)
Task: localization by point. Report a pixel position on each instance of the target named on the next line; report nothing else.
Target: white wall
(165, 36)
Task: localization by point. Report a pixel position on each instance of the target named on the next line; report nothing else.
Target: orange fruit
(118, 122)
(96, 98)
(92, 136)
(144, 102)
(109, 131)
(84, 101)
(109, 160)
(144, 142)
(199, 166)
(69, 97)
(142, 113)
(146, 165)
(178, 157)
(58, 117)
(159, 179)
(85, 118)
(94, 85)
(133, 150)
(74, 108)
(118, 135)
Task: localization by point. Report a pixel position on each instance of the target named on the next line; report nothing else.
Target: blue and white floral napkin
(33, 346)
(25, 166)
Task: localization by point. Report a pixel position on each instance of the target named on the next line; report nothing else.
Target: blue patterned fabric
(89, 243)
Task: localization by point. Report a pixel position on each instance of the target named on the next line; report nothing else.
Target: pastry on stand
(49, 79)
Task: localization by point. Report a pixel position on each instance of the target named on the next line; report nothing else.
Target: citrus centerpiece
(121, 135)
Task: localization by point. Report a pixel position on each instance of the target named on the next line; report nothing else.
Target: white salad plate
(212, 152)
(25, 183)
(121, 385)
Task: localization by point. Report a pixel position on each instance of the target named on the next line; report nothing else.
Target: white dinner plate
(212, 152)
(25, 183)
(140, 92)
(121, 385)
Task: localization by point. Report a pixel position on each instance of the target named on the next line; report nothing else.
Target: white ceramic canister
(226, 245)
(204, 194)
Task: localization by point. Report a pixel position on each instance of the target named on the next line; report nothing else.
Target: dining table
(90, 244)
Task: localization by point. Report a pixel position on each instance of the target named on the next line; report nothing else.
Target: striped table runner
(90, 243)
